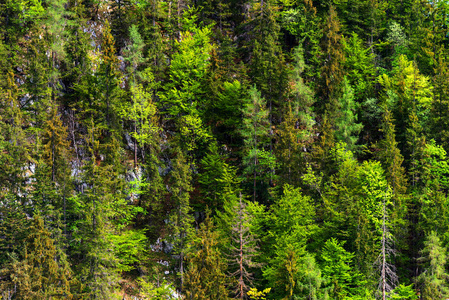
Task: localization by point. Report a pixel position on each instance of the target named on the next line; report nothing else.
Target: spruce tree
(41, 273)
(257, 161)
(205, 277)
(332, 71)
(433, 279)
(296, 131)
(180, 216)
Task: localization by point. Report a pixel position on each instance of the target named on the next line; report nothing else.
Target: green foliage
(41, 273)
(433, 279)
(290, 270)
(123, 122)
(337, 270)
(205, 277)
(257, 161)
(218, 179)
(347, 129)
(184, 97)
(402, 292)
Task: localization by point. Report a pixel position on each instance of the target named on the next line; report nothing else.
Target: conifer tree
(301, 20)
(267, 58)
(413, 92)
(218, 178)
(439, 127)
(332, 71)
(101, 212)
(296, 130)
(347, 130)
(337, 271)
(257, 161)
(236, 221)
(41, 274)
(433, 279)
(181, 218)
(291, 271)
(205, 276)
(108, 95)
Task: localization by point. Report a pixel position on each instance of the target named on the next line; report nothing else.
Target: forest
(224, 149)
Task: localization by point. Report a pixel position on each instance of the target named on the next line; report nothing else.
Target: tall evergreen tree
(257, 161)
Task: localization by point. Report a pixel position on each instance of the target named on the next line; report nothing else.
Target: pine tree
(108, 76)
(205, 277)
(181, 218)
(296, 131)
(41, 274)
(236, 222)
(101, 211)
(267, 70)
(347, 130)
(412, 92)
(337, 271)
(433, 279)
(332, 71)
(257, 161)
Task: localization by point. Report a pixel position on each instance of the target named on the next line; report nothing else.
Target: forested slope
(272, 149)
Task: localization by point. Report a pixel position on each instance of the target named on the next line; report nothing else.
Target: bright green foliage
(433, 203)
(359, 65)
(341, 279)
(293, 273)
(149, 290)
(184, 97)
(353, 203)
(360, 71)
(290, 269)
(347, 130)
(205, 277)
(122, 121)
(402, 292)
(433, 279)
(414, 93)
